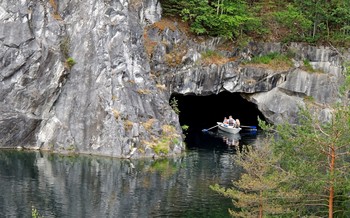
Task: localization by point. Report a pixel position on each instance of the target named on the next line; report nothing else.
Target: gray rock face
(95, 77)
(106, 103)
(278, 93)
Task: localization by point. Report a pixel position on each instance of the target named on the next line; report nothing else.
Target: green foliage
(164, 167)
(309, 98)
(341, 39)
(302, 20)
(210, 53)
(35, 213)
(260, 190)
(214, 57)
(169, 137)
(174, 105)
(243, 41)
(224, 18)
(265, 59)
(172, 7)
(71, 148)
(290, 53)
(184, 127)
(302, 171)
(308, 150)
(345, 87)
(327, 17)
(272, 57)
(70, 62)
(162, 147)
(295, 21)
(175, 141)
(307, 66)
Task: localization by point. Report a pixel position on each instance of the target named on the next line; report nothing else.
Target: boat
(227, 128)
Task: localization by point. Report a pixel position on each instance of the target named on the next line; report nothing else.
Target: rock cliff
(182, 63)
(75, 77)
(95, 76)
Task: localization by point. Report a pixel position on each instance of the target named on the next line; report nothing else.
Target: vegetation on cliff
(286, 20)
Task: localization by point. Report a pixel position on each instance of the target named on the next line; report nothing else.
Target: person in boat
(238, 123)
(225, 122)
(231, 121)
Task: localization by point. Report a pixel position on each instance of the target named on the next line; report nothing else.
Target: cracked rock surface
(106, 103)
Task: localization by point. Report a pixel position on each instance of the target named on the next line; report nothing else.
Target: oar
(205, 130)
(253, 128)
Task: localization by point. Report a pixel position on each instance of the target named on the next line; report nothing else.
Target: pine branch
(319, 128)
(326, 205)
(340, 54)
(316, 195)
(344, 153)
(337, 211)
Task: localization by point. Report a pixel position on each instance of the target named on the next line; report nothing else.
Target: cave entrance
(202, 112)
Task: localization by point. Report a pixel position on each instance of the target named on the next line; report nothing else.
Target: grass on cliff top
(308, 67)
(273, 60)
(214, 57)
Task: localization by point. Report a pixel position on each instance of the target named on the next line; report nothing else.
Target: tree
(225, 18)
(172, 7)
(340, 16)
(307, 163)
(307, 20)
(329, 18)
(317, 153)
(295, 21)
(261, 189)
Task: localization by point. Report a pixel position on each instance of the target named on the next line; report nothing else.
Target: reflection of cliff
(85, 186)
(19, 187)
(124, 188)
(115, 188)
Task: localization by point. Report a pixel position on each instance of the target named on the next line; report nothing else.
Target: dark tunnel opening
(202, 112)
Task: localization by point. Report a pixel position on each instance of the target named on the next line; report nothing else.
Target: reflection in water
(229, 138)
(240, 142)
(62, 186)
(85, 186)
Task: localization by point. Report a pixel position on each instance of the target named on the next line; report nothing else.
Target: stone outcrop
(106, 103)
(278, 92)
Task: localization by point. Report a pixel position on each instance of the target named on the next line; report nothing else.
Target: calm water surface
(85, 186)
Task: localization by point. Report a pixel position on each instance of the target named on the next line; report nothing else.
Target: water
(85, 186)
